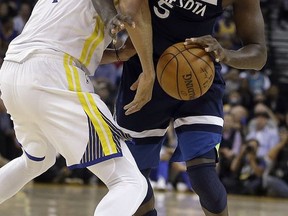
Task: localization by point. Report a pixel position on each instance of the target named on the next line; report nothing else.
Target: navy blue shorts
(198, 123)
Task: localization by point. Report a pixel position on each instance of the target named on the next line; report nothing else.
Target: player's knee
(143, 187)
(37, 167)
(147, 206)
(205, 182)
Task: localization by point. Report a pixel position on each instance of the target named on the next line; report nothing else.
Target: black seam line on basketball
(177, 79)
(180, 96)
(200, 87)
(201, 59)
(165, 66)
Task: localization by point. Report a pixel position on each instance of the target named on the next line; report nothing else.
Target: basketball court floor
(79, 200)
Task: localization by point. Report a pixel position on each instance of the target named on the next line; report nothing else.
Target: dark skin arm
(250, 29)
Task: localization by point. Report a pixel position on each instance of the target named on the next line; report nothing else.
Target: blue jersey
(198, 123)
(175, 20)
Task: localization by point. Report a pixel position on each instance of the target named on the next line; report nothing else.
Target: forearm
(121, 52)
(235, 165)
(130, 7)
(257, 169)
(141, 37)
(252, 56)
(110, 56)
(273, 153)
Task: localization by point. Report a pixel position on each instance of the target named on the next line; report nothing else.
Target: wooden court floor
(78, 200)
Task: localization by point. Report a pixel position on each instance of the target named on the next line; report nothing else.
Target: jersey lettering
(195, 6)
(163, 11)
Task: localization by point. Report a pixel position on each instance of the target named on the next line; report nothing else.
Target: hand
(251, 157)
(211, 46)
(144, 87)
(116, 24)
(283, 137)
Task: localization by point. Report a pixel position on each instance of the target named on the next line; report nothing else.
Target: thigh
(198, 125)
(146, 155)
(78, 123)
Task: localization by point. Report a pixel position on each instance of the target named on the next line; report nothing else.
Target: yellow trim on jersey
(89, 105)
(67, 62)
(92, 42)
(105, 125)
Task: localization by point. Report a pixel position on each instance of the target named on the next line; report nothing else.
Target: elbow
(262, 58)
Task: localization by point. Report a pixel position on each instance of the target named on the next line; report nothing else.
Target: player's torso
(69, 26)
(175, 20)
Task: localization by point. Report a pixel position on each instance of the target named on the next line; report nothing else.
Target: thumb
(134, 86)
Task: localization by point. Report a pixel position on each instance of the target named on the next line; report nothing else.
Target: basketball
(185, 73)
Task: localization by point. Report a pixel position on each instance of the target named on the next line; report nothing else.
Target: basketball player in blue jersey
(45, 88)
(198, 123)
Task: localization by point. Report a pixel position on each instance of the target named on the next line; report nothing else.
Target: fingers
(135, 105)
(134, 86)
(132, 107)
(117, 24)
(210, 44)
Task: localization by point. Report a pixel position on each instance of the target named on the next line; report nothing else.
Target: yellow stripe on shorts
(92, 42)
(89, 105)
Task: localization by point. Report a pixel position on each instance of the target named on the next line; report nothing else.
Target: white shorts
(52, 104)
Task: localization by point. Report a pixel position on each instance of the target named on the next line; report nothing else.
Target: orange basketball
(185, 73)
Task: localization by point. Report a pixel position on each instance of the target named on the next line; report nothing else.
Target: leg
(276, 187)
(127, 187)
(206, 184)
(147, 207)
(140, 153)
(20, 171)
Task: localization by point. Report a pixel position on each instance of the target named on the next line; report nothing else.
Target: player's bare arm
(122, 53)
(141, 37)
(113, 20)
(250, 29)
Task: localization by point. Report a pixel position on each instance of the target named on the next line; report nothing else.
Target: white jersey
(69, 26)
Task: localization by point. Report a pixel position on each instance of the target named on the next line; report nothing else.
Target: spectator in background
(263, 132)
(106, 91)
(248, 169)
(9, 147)
(7, 34)
(232, 80)
(240, 115)
(229, 147)
(262, 108)
(22, 17)
(234, 98)
(283, 15)
(4, 9)
(225, 30)
(276, 182)
(277, 103)
(258, 82)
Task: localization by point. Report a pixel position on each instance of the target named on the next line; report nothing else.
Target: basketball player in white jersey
(45, 87)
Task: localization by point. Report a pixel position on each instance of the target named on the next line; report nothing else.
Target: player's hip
(153, 119)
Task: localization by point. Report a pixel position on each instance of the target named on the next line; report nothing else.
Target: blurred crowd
(254, 149)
